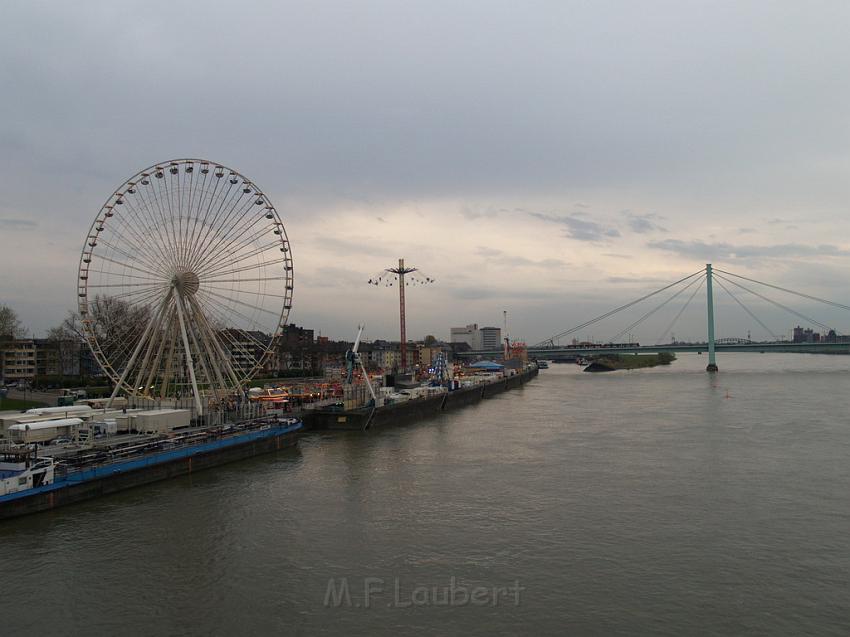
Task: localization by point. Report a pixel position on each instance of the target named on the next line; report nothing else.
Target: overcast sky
(553, 159)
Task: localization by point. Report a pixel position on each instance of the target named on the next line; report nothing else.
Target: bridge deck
(782, 346)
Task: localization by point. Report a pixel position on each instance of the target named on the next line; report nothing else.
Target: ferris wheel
(185, 282)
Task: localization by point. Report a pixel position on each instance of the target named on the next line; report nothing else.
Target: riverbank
(614, 362)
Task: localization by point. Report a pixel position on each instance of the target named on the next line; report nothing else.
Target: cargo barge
(30, 482)
(415, 409)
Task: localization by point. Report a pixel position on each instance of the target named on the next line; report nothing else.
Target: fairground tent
(487, 365)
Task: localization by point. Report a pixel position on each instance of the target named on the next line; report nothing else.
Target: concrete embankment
(412, 410)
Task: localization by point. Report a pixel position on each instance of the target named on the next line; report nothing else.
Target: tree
(10, 327)
(116, 324)
(65, 340)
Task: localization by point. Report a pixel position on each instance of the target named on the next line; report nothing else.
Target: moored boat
(30, 482)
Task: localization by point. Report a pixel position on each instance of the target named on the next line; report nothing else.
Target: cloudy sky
(554, 159)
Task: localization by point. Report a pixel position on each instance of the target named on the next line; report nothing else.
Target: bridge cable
(747, 310)
(776, 287)
(651, 312)
(552, 339)
(659, 340)
(777, 304)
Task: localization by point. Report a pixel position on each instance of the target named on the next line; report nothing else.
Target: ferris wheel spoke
(123, 275)
(237, 215)
(215, 238)
(176, 209)
(210, 197)
(238, 259)
(248, 268)
(147, 195)
(191, 220)
(242, 360)
(249, 321)
(225, 341)
(184, 216)
(244, 224)
(218, 202)
(123, 253)
(144, 223)
(249, 292)
(145, 256)
(242, 303)
(153, 213)
(165, 205)
(122, 285)
(222, 252)
(127, 265)
(154, 197)
(268, 278)
(143, 293)
(190, 202)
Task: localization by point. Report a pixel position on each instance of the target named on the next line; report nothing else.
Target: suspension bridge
(734, 285)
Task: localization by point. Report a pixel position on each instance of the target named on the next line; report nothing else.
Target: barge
(406, 412)
(32, 482)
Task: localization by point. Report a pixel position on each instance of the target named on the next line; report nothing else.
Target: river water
(660, 501)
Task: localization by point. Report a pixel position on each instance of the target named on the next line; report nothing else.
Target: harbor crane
(353, 359)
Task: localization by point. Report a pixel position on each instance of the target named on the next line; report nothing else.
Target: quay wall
(412, 410)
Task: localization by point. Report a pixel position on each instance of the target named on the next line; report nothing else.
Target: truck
(68, 396)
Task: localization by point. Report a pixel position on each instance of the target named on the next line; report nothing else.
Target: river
(665, 501)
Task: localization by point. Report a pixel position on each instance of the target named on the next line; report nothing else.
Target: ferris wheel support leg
(136, 351)
(210, 335)
(158, 358)
(147, 357)
(169, 362)
(201, 355)
(212, 351)
(189, 361)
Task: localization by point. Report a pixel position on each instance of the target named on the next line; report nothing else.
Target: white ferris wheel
(185, 282)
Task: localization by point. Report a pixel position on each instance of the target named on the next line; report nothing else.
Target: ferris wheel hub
(186, 282)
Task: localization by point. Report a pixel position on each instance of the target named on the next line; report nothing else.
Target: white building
(470, 335)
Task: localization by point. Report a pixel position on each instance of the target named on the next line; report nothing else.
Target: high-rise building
(491, 337)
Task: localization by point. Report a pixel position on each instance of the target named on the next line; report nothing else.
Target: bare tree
(10, 327)
(115, 323)
(66, 342)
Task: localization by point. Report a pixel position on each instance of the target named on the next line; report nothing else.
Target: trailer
(44, 430)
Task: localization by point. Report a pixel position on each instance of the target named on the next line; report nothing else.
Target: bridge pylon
(712, 362)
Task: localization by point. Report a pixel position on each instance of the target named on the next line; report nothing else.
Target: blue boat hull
(105, 479)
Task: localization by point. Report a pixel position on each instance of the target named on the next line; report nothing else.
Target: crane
(353, 359)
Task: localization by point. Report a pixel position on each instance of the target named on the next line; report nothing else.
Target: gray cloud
(18, 224)
(709, 251)
(579, 228)
(503, 258)
(644, 223)
(628, 279)
(576, 115)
